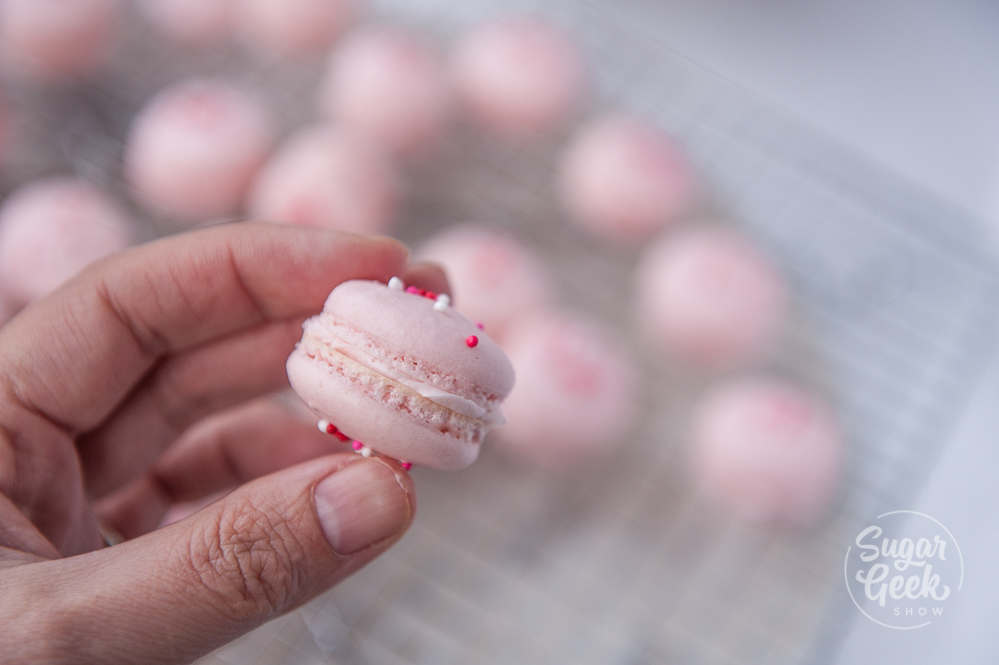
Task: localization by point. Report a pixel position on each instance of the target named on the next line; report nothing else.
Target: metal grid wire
(622, 562)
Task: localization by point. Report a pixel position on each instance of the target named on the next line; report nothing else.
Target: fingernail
(361, 505)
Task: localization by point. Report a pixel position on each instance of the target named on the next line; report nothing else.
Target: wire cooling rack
(622, 562)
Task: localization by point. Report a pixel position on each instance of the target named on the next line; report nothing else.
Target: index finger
(76, 354)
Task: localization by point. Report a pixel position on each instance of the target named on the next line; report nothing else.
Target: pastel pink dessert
(55, 40)
(624, 179)
(327, 178)
(396, 370)
(767, 451)
(295, 27)
(195, 149)
(389, 86)
(518, 77)
(576, 389)
(192, 21)
(496, 280)
(708, 296)
(50, 230)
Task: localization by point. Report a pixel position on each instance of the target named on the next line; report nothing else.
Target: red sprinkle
(430, 294)
(406, 465)
(472, 341)
(331, 429)
(341, 436)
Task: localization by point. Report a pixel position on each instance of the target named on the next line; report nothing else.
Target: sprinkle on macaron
(327, 427)
(442, 302)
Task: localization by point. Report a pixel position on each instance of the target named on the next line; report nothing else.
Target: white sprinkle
(367, 452)
(395, 284)
(443, 302)
(322, 425)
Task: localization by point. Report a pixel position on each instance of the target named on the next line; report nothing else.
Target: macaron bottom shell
(386, 416)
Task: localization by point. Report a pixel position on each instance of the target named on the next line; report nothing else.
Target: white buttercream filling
(489, 415)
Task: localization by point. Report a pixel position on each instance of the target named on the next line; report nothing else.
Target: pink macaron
(624, 179)
(328, 178)
(389, 86)
(495, 278)
(396, 370)
(518, 77)
(576, 390)
(195, 149)
(50, 230)
(709, 297)
(56, 40)
(192, 21)
(767, 451)
(295, 27)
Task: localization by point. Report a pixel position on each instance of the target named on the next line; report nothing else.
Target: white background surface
(915, 86)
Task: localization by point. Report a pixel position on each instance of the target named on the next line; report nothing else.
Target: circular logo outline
(846, 574)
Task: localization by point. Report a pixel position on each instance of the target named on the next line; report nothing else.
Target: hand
(127, 391)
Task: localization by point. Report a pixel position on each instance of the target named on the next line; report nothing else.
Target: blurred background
(846, 155)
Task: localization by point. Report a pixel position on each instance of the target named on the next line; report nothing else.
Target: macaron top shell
(432, 346)
(56, 41)
(767, 450)
(195, 148)
(519, 77)
(51, 229)
(576, 393)
(389, 86)
(326, 177)
(709, 296)
(496, 279)
(623, 178)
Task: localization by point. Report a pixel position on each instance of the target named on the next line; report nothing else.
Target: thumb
(264, 549)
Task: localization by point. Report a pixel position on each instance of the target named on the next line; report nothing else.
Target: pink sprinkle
(480, 326)
(407, 465)
(357, 445)
(472, 341)
(412, 289)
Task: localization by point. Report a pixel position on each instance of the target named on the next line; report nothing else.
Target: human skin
(136, 386)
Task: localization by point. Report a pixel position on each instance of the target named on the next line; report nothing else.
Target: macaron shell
(51, 229)
(519, 77)
(195, 149)
(710, 297)
(327, 178)
(766, 450)
(389, 86)
(496, 280)
(576, 392)
(407, 324)
(373, 421)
